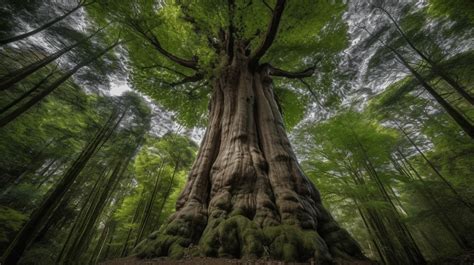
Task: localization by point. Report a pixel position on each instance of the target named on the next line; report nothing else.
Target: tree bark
(246, 193)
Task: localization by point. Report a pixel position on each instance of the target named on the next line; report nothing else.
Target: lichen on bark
(246, 195)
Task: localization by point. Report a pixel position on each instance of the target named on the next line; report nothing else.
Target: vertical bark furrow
(198, 179)
(293, 208)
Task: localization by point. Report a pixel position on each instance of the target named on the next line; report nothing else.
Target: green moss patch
(238, 237)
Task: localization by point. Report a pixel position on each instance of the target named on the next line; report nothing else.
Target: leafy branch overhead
(190, 44)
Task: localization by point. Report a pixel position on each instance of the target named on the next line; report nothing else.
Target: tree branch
(186, 63)
(267, 5)
(271, 32)
(311, 91)
(302, 74)
(229, 44)
(156, 43)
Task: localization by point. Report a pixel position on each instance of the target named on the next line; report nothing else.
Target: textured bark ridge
(246, 195)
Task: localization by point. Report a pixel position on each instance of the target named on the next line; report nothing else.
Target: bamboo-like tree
(36, 222)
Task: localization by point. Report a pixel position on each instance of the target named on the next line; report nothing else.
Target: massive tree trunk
(246, 195)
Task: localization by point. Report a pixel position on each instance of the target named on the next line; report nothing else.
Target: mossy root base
(238, 237)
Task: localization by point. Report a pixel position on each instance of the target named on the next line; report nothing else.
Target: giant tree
(246, 193)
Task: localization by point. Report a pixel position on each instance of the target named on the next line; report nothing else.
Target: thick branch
(156, 43)
(230, 32)
(186, 63)
(271, 32)
(302, 74)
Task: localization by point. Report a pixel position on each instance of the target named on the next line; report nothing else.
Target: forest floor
(464, 259)
(212, 261)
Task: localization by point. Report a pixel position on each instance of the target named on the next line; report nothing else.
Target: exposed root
(240, 237)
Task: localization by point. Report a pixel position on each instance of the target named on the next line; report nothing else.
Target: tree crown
(176, 47)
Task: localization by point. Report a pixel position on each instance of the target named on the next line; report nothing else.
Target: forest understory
(237, 132)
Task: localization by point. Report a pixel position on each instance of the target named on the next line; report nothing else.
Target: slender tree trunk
(99, 245)
(55, 218)
(167, 193)
(46, 91)
(370, 230)
(465, 125)
(452, 112)
(14, 77)
(371, 234)
(124, 252)
(406, 239)
(437, 172)
(35, 163)
(39, 29)
(26, 94)
(434, 66)
(41, 215)
(72, 231)
(246, 178)
(149, 206)
(388, 246)
(47, 177)
(436, 207)
(109, 245)
(81, 243)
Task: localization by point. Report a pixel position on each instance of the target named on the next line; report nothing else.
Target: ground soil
(464, 259)
(212, 261)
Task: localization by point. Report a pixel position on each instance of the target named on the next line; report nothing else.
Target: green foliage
(458, 10)
(10, 220)
(186, 28)
(293, 106)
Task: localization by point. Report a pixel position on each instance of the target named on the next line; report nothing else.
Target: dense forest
(164, 131)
